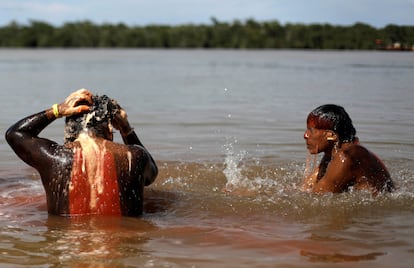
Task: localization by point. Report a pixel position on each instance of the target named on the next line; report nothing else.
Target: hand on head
(120, 121)
(80, 101)
(77, 102)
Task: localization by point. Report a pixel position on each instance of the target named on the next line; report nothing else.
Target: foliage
(249, 34)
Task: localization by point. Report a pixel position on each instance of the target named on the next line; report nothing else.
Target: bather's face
(316, 139)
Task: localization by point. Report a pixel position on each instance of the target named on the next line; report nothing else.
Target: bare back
(88, 176)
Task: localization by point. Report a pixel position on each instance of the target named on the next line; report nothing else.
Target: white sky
(377, 13)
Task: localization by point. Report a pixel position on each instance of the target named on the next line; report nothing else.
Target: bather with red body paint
(89, 174)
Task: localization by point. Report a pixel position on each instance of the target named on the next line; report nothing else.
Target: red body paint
(86, 199)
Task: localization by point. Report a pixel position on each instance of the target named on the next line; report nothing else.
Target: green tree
(237, 34)
(10, 35)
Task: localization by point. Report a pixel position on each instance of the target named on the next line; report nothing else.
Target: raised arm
(23, 135)
(131, 138)
(128, 134)
(23, 138)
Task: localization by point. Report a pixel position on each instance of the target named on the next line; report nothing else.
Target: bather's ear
(331, 136)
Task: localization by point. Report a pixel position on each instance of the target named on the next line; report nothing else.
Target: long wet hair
(97, 119)
(333, 117)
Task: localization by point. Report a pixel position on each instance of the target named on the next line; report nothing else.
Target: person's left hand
(77, 102)
(120, 122)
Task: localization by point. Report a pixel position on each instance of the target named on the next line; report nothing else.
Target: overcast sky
(377, 13)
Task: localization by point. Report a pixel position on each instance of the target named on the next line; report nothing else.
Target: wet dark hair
(100, 114)
(333, 117)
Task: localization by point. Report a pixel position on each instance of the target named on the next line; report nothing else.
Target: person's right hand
(76, 103)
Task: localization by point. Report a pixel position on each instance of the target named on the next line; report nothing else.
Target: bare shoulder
(351, 157)
(136, 151)
(354, 149)
(355, 152)
(361, 155)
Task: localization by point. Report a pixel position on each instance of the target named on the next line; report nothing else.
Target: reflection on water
(87, 240)
(314, 257)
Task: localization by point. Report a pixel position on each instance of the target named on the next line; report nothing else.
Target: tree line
(248, 34)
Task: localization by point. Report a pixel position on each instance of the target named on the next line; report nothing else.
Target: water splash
(233, 170)
(236, 178)
(310, 165)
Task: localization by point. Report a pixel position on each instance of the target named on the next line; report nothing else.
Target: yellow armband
(55, 110)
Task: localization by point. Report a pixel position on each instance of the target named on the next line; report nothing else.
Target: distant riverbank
(248, 34)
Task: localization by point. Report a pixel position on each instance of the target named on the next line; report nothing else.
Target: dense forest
(236, 35)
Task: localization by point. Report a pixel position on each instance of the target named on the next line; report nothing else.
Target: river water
(226, 129)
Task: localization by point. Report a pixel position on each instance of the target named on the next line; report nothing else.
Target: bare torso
(92, 175)
(351, 166)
